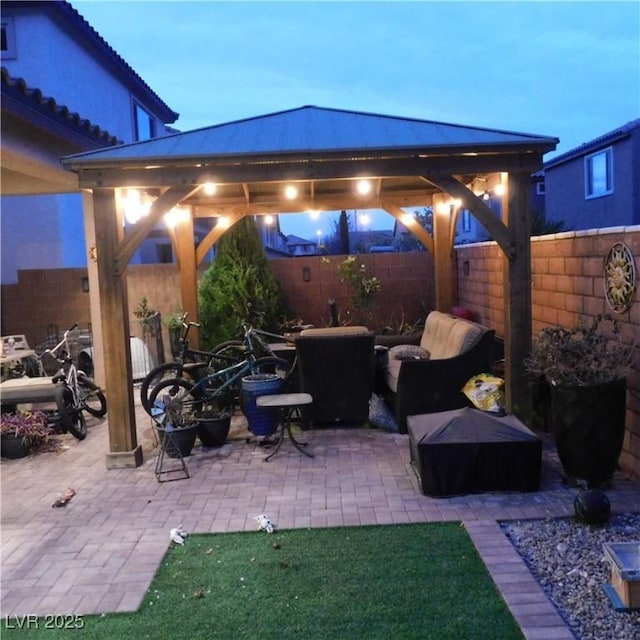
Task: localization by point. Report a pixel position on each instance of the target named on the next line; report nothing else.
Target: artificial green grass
(375, 582)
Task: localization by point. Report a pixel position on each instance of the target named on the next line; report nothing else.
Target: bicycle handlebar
(54, 350)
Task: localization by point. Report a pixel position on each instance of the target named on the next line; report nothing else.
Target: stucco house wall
(565, 197)
(57, 53)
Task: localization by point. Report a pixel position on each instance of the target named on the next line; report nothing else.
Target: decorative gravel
(567, 559)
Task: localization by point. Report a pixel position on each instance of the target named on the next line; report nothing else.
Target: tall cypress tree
(343, 226)
(239, 286)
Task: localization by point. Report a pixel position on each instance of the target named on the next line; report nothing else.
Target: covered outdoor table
(472, 451)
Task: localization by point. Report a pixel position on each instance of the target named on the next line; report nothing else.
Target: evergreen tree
(344, 233)
(239, 286)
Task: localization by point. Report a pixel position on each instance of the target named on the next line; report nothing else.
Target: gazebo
(308, 158)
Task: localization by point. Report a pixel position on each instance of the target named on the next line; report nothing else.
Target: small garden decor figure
(264, 523)
(177, 535)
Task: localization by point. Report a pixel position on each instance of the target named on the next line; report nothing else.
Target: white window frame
(591, 187)
(10, 34)
(541, 188)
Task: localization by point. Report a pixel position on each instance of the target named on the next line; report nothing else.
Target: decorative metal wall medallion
(619, 277)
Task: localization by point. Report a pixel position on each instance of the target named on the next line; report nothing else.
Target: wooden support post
(186, 250)
(517, 294)
(94, 289)
(114, 315)
(443, 260)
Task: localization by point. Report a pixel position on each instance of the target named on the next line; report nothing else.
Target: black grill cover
(472, 451)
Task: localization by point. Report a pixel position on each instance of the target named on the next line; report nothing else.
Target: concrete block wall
(407, 290)
(567, 285)
(567, 275)
(44, 297)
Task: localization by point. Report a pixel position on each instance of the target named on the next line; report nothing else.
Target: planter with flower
(22, 432)
(586, 370)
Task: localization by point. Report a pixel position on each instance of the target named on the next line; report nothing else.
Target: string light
(363, 187)
(290, 192)
(209, 188)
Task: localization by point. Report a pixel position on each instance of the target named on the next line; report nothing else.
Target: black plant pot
(13, 447)
(213, 432)
(587, 424)
(180, 442)
(540, 401)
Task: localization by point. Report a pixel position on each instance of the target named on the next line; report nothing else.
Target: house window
(466, 220)
(164, 253)
(143, 122)
(540, 188)
(598, 173)
(7, 38)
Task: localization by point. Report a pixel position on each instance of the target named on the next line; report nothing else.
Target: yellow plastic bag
(486, 392)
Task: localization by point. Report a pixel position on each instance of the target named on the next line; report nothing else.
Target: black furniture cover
(472, 451)
(338, 371)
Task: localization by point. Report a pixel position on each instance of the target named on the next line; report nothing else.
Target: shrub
(239, 286)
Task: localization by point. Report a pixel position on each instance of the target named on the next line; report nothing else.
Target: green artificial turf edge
(396, 582)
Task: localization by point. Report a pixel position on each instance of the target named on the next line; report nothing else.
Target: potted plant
(174, 420)
(213, 420)
(23, 431)
(174, 324)
(585, 369)
(148, 318)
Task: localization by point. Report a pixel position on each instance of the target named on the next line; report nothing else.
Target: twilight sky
(564, 69)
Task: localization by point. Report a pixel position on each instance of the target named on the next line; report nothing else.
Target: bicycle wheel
(91, 398)
(168, 371)
(172, 401)
(272, 364)
(228, 353)
(70, 417)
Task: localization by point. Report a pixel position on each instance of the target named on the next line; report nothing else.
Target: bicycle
(192, 364)
(178, 399)
(76, 392)
(195, 364)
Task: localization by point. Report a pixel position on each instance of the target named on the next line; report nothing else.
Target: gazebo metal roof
(315, 130)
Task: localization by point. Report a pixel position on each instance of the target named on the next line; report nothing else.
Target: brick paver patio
(100, 552)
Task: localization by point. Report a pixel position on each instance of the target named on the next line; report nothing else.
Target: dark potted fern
(586, 370)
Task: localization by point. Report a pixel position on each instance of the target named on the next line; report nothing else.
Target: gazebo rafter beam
(214, 235)
(303, 170)
(501, 233)
(420, 233)
(132, 240)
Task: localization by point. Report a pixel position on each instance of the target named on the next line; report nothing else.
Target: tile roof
(69, 18)
(33, 98)
(592, 145)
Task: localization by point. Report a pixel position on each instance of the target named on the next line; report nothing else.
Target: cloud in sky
(564, 69)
